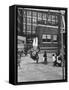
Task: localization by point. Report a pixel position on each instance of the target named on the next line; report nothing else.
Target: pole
(62, 53)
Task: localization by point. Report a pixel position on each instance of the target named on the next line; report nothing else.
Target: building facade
(41, 23)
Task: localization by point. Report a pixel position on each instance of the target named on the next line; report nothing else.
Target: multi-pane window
(46, 38)
(28, 29)
(34, 20)
(44, 18)
(28, 20)
(34, 14)
(34, 29)
(24, 19)
(49, 18)
(24, 13)
(53, 19)
(34, 17)
(39, 16)
(29, 13)
(49, 38)
(56, 17)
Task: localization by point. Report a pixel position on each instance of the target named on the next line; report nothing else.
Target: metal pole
(62, 53)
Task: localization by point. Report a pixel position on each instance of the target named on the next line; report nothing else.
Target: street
(30, 71)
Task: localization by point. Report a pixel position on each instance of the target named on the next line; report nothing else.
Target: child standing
(54, 59)
(45, 57)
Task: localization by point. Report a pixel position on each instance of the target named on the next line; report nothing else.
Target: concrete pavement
(30, 71)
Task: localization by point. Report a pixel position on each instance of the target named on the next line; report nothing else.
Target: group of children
(57, 59)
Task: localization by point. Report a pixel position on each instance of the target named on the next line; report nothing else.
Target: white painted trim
(48, 26)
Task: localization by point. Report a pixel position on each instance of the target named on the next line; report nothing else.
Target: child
(54, 59)
(45, 57)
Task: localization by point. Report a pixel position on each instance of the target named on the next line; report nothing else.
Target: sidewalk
(30, 71)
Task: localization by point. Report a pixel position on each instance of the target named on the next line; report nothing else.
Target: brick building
(41, 23)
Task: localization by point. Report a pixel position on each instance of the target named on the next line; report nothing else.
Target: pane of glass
(43, 36)
(54, 37)
(48, 36)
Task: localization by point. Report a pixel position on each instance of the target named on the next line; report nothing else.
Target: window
(28, 13)
(46, 38)
(24, 27)
(34, 14)
(33, 32)
(28, 20)
(39, 16)
(44, 18)
(34, 20)
(43, 36)
(49, 18)
(34, 28)
(24, 20)
(54, 37)
(24, 13)
(53, 19)
(28, 27)
(56, 19)
(20, 12)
